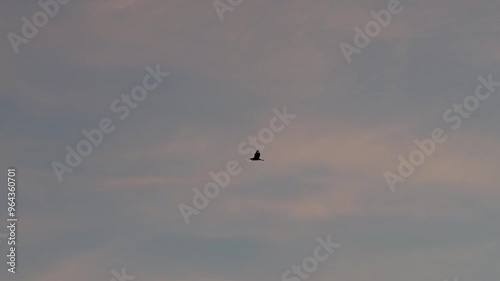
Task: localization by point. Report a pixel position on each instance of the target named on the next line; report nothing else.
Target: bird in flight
(256, 157)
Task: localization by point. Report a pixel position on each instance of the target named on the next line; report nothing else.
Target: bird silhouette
(256, 157)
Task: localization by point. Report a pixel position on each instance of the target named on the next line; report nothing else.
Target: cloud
(322, 175)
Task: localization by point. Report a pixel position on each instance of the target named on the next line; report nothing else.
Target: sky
(233, 68)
